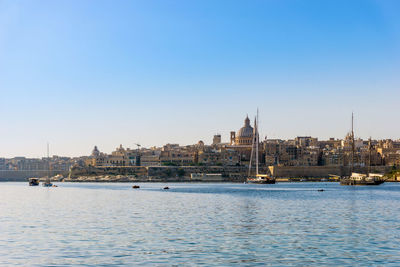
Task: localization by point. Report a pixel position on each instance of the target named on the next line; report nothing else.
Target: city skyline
(152, 72)
(225, 139)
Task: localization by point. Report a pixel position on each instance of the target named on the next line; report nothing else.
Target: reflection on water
(211, 224)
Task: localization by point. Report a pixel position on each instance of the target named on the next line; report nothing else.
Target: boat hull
(259, 181)
(360, 182)
(33, 182)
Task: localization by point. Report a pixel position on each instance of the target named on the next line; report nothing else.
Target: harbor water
(286, 224)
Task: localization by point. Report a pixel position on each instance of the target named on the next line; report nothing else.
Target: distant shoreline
(180, 181)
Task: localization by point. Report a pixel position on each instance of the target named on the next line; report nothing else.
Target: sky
(81, 73)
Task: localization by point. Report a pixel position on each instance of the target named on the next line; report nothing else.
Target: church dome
(246, 130)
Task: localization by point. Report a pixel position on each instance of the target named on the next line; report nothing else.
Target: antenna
(137, 160)
(138, 146)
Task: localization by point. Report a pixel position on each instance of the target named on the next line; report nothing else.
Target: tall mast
(252, 151)
(369, 155)
(48, 164)
(352, 142)
(256, 132)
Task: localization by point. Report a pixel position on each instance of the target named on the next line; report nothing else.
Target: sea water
(286, 224)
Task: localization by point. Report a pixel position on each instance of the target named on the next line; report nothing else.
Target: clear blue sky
(84, 73)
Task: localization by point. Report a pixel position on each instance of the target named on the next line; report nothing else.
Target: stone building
(241, 142)
(389, 151)
(243, 137)
(2, 163)
(121, 157)
(217, 139)
(177, 155)
(306, 141)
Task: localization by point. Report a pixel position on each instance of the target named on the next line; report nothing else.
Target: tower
(217, 139)
(95, 152)
(233, 137)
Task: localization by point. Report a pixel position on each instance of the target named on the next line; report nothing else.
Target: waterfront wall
(156, 173)
(320, 171)
(229, 173)
(182, 173)
(9, 175)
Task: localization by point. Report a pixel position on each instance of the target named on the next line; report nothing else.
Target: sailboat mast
(352, 141)
(48, 164)
(369, 155)
(251, 155)
(256, 132)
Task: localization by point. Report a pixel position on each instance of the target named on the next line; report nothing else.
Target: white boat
(257, 178)
(360, 178)
(363, 179)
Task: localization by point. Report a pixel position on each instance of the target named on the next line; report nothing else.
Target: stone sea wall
(321, 171)
(9, 175)
(182, 173)
(155, 174)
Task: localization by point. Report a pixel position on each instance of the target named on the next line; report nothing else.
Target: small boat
(166, 188)
(47, 183)
(135, 187)
(363, 179)
(261, 179)
(33, 181)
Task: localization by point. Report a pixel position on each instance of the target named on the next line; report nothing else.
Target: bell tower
(233, 137)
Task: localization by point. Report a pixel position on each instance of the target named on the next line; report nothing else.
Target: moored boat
(360, 178)
(258, 178)
(33, 181)
(47, 180)
(261, 179)
(47, 183)
(363, 179)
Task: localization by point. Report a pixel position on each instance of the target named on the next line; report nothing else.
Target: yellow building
(243, 137)
(241, 142)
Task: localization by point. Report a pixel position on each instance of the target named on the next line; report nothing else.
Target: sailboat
(258, 178)
(47, 181)
(361, 178)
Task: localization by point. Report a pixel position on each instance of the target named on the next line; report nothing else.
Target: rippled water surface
(286, 224)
